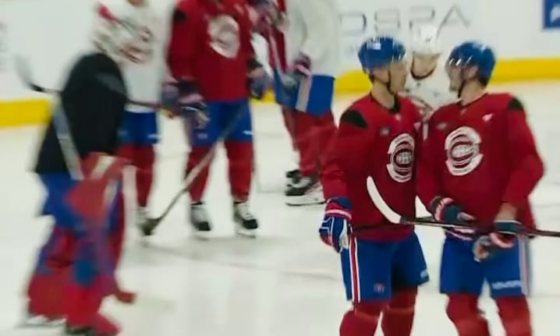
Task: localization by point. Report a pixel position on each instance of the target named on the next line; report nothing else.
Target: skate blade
(244, 233)
(26, 324)
(201, 235)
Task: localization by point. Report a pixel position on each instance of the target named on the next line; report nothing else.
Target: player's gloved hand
(334, 229)
(191, 104)
(170, 99)
(502, 237)
(445, 209)
(258, 79)
(298, 71)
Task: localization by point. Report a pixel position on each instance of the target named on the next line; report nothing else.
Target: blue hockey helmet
(474, 54)
(380, 51)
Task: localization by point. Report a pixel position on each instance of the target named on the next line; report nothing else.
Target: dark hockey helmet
(474, 54)
(380, 51)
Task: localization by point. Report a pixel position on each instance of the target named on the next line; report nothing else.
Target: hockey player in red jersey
(212, 59)
(270, 18)
(382, 264)
(479, 164)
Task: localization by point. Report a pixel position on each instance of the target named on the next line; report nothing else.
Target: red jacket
(481, 155)
(210, 43)
(373, 141)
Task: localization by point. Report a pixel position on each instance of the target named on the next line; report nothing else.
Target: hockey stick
(395, 218)
(72, 160)
(153, 223)
(23, 71)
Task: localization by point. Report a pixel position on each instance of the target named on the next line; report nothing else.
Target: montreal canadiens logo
(223, 31)
(462, 147)
(401, 158)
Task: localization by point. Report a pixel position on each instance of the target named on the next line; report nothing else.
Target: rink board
(19, 112)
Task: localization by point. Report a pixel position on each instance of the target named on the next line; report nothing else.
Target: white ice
(283, 283)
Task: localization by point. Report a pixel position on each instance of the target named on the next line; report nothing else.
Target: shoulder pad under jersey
(353, 117)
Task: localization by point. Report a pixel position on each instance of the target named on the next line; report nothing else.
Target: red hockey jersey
(210, 42)
(481, 155)
(374, 141)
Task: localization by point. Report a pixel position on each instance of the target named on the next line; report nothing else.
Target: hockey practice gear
(299, 70)
(334, 228)
(246, 223)
(472, 54)
(502, 238)
(305, 190)
(380, 51)
(199, 219)
(258, 79)
(425, 40)
(447, 210)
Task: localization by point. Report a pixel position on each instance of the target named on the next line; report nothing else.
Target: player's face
(455, 74)
(398, 71)
(423, 64)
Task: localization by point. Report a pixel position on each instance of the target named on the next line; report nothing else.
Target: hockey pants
(312, 134)
(67, 281)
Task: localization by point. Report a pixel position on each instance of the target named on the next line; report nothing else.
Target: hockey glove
(334, 229)
(183, 98)
(298, 71)
(446, 210)
(502, 237)
(258, 79)
(88, 197)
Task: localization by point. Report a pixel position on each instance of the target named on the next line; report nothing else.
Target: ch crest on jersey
(401, 158)
(223, 32)
(462, 147)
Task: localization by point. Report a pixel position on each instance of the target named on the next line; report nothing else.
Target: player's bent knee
(403, 301)
(369, 310)
(461, 306)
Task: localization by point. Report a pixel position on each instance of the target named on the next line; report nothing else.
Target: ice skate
(307, 190)
(102, 326)
(41, 321)
(292, 177)
(245, 223)
(143, 222)
(199, 220)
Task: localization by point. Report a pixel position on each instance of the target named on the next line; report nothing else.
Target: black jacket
(93, 101)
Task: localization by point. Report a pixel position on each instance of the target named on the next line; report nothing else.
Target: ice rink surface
(285, 282)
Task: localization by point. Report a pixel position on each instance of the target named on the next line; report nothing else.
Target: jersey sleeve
(527, 164)
(427, 186)
(347, 154)
(182, 42)
(318, 28)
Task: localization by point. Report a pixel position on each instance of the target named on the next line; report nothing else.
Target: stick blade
(380, 204)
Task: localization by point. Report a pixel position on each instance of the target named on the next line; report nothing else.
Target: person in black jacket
(78, 144)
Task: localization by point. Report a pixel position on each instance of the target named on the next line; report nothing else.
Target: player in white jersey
(144, 71)
(311, 32)
(427, 85)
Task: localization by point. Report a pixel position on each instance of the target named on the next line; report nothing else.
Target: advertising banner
(551, 14)
(361, 19)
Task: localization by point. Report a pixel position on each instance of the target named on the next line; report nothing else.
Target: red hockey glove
(88, 197)
(503, 237)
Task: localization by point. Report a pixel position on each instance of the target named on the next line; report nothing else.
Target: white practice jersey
(429, 93)
(146, 35)
(313, 29)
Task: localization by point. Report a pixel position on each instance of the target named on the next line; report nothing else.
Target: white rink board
(51, 32)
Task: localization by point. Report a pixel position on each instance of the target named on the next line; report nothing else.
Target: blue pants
(373, 269)
(506, 271)
(68, 240)
(313, 95)
(221, 115)
(139, 128)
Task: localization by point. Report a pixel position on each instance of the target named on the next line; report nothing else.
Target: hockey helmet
(474, 54)
(380, 51)
(425, 40)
